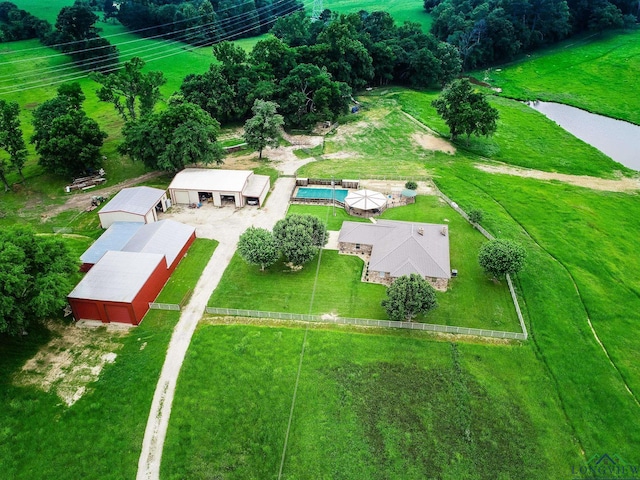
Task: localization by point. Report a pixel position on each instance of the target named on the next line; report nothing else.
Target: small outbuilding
(136, 204)
(119, 287)
(219, 187)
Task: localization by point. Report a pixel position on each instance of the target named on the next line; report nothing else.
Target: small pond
(615, 138)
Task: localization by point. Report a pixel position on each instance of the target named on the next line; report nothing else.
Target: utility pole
(333, 196)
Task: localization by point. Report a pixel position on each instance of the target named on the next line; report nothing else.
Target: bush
(411, 185)
(475, 216)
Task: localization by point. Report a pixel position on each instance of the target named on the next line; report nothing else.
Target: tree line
(201, 22)
(490, 31)
(74, 33)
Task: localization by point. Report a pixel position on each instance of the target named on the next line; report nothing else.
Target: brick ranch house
(392, 249)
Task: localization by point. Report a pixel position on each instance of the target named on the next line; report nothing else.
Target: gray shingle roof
(402, 248)
(138, 200)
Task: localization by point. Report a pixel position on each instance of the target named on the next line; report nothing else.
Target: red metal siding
(182, 253)
(150, 291)
(85, 267)
(119, 312)
(85, 309)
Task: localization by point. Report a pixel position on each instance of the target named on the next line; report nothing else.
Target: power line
(175, 51)
(131, 31)
(223, 24)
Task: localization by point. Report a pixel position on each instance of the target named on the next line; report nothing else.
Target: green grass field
(401, 10)
(43, 438)
(188, 272)
(572, 234)
(597, 73)
(368, 406)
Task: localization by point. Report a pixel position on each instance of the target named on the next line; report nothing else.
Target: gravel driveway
(225, 225)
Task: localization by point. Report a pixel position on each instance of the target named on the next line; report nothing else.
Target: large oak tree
(35, 277)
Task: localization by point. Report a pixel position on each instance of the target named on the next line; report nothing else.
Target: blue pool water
(325, 193)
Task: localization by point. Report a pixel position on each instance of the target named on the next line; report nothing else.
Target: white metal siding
(180, 196)
(106, 219)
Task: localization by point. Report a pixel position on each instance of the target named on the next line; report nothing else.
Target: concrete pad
(332, 244)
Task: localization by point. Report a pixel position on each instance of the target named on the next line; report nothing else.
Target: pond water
(615, 138)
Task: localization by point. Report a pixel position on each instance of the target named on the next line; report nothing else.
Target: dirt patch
(431, 142)
(390, 187)
(80, 201)
(341, 155)
(71, 361)
(375, 120)
(594, 183)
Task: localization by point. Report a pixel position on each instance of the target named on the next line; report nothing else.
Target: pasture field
(524, 138)
(369, 405)
(45, 10)
(580, 268)
(597, 73)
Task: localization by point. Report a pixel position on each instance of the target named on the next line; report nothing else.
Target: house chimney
(444, 230)
(421, 231)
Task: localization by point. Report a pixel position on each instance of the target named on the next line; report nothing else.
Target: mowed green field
(597, 73)
(401, 10)
(46, 10)
(369, 406)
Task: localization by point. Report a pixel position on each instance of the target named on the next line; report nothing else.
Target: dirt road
(225, 225)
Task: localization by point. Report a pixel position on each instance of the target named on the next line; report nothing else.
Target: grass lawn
(278, 289)
(571, 234)
(326, 214)
(188, 272)
(379, 143)
(43, 438)
(473, 300)
(596, 73)
(368, 406)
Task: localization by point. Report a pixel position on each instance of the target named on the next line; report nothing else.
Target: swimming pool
(323, 193)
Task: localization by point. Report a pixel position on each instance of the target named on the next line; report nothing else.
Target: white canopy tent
(365, 201)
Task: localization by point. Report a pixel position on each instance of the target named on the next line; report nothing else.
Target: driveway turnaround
(225, 225)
